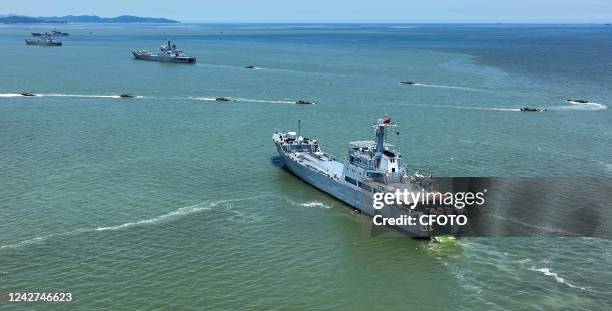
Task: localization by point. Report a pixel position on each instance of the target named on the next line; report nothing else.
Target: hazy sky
(328, 10)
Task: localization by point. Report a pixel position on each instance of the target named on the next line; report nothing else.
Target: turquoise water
(175, 201)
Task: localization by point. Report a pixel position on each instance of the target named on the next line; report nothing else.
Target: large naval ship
(371, 167)
(54, 32)
(167, 53)
(44, 40)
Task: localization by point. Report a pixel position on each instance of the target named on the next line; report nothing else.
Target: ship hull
(33, 42)
(157, 58)
(351, 195)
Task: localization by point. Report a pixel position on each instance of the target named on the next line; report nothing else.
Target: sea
(174, 201)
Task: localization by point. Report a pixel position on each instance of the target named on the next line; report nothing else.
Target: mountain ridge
(19, 19)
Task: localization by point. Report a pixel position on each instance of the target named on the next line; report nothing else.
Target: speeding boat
(532, 109)
(28, 94)
(580, 101)
(408, 82)
(303, 102)
(250, 67)
(126, 96)
(223, 99)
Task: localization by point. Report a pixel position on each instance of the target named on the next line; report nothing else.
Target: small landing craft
(532, 109)
(580, 101)
(303, 102)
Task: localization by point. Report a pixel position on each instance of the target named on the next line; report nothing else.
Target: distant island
(15, 19)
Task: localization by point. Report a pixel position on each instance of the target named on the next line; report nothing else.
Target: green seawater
(174, 201)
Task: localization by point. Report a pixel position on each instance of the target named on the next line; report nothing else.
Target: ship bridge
(379, 166)
(363, 154)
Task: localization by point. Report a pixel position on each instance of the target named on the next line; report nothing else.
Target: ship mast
(381, 130)
(380, 137)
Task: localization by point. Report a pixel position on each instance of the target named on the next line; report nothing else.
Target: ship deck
(322, 164)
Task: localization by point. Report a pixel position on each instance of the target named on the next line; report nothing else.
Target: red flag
(387, 121)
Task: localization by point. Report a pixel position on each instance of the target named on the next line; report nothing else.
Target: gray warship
(44, 40)
(371, 167)
(167, 53)
(56, 32)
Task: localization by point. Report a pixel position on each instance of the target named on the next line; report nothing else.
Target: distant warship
(56, 32)
(44, 40)
(370, 167)
(167, 53)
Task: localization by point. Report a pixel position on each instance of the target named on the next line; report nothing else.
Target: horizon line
(339, 20)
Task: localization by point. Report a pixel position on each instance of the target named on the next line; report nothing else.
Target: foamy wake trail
(500, 109)
(204, 98)
(183, 211)
(555, 276)
(80, 95)
(238, 99)
(583, 106)
(315, 204)
(539, 227)
(34, 240)
(150, 221)
(466, 107)
(11, 95)
(43, 238)
(264, 101)
(66, 95)
(309, 204)
(450, 87)
(573, 106)
(174, 214)
(485, 108)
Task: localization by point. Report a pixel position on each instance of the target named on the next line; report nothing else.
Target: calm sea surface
(175, 201)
